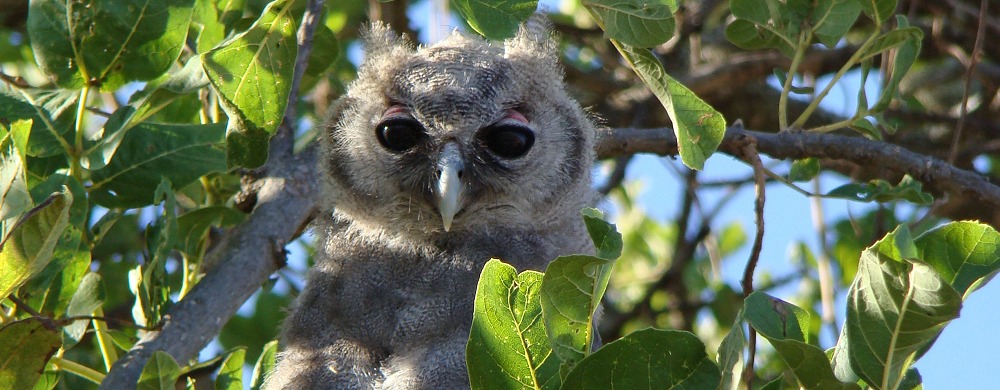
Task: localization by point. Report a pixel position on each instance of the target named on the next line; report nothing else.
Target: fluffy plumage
(484, 132)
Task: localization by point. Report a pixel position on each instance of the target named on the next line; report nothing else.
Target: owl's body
(439, 159)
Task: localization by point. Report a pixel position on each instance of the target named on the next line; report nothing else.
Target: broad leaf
(880, 191)
(878, 10)
(495, 19)
(194, 225)
(804, 169)
(833, 18)
(730, 357)
(160, 373)
(49, 292)
(14, 197)
(903, 59)
(27, 345)
(29, 246)
(252, 72)
(896, 307)
(50, 127)
(893, 39)
(962, 253)
(786, 326)
(647, 359)
(265, 364)
(763, 24)
(699, 127)
(231, 374)
(88, 297)
(507, 344)
(149, 152)
(605, 236)
(634, 22)
(108, 42)
(571, 292)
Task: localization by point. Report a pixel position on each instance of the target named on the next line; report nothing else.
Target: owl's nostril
(460, 172)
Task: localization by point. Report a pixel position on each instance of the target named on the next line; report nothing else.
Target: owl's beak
(449, 190)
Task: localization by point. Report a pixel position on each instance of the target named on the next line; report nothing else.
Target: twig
(970, 69)
(826, 285)
(749, 154)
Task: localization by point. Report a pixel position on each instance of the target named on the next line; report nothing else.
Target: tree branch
(932, 172)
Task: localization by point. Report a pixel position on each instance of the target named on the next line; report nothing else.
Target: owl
(436, 160)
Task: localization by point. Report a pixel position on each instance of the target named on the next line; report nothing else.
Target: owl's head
(462, 135)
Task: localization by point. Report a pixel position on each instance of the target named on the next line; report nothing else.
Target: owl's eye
(399, 134)
(507, 140)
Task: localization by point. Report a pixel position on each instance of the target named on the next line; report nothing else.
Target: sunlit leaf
(160, 373)
(634, 22)
(28, 248)
(253, 74)
(507, 344)
(26, 346)
(699, 127)
(647, 359)
(108, 42)
(495, 19)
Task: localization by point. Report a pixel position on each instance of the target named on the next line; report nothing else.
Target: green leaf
(786, 327)
(571, 292)
(231, 374)
(763, 24)
(252, 72)
(699, 127)
(54, 183)
(649, 358)
(49, 128)
(905, 56)
(865, 127)
(962, 253)
(14, 197)
(833, 19)
(49, 292)
(606, 238)
(879, 10)
(634, 22)
(507, 344)
(194, 225)
(109, 42)
(27, 344)
(88, 297)
(730, 357)
(320, 60)
(896, 307)
(160, 373)
(804, 169)
(265, 364)
(893, 39)
(880, 191)
(207, 25)
(495, 19)
(150, 151)
(29, 246)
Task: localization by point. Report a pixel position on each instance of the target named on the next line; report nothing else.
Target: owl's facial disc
(450, 188)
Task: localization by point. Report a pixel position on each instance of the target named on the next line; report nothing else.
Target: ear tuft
(379, 40)
(534, 41)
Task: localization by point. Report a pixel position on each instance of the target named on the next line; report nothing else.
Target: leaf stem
(855, 58)
(108, 352)
(800, 51)
(77, 369)
(77, 152)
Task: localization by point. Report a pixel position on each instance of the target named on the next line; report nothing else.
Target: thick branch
(933, 172)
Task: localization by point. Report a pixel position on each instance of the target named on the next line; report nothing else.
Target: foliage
(126, 127)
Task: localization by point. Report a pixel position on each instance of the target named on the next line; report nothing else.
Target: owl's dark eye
(507, 140)
(399, 134)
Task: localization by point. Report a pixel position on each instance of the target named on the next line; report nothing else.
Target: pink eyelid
(395, 109)
(513, 114)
